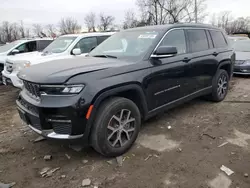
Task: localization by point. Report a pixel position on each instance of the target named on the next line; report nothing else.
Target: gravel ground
(186, 156)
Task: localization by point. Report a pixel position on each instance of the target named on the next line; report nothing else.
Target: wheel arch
(227, 66)
(132, 91)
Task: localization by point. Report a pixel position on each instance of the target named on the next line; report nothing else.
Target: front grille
(62, 128)
(60, 124)
(28, 106)
(32, 89)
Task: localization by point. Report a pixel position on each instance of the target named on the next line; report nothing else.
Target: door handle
(186, 60)
(215, 53)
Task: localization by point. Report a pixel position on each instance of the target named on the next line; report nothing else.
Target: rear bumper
(60, 123)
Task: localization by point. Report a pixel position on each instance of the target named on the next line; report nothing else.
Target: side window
(197, 39)
(22, 48)
(175, 38)
(86, 44)
(210, 42)
(218, 39)
(41, 44)
(100, 39)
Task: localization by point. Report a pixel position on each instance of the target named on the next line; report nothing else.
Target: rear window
(218, 39)
(197, 39)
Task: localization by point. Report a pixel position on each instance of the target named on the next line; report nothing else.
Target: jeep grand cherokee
(102, 99)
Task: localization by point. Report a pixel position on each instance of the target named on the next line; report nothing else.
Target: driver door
(168, 79)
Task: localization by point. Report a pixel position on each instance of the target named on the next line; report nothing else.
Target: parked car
(102, 99)
(20, 47)
(242, 63)
(64, 47)
(234, 38)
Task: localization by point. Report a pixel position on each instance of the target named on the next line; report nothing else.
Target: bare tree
(189, 12)
(22, 29)
(153, 11)
(105, 22)
(37, 29)
(15, 32)
(51, 30)
(239, 25)
(7, 29)
(172, 11)
(130, 20)
(90, 21)
(68, 26)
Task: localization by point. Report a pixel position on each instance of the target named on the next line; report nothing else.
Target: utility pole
(196, 11)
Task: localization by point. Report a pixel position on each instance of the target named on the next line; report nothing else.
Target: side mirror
(77, 51)
(164, 51)
(14, 52)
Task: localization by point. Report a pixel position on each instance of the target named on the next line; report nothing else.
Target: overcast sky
(50, 11)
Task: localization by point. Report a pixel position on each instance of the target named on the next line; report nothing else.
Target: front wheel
(220, 86)
(116, 126)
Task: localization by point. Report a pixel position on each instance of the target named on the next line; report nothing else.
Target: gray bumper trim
(52, 134)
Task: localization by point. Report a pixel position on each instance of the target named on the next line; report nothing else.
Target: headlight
(20, 66)
(60, 89)
(247, 62)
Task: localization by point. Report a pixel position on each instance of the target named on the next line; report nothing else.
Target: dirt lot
(180, 157)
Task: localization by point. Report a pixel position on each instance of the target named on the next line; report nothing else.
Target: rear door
(41, 44)
(203, 62)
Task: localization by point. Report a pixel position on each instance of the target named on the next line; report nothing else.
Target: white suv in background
(66, 46)
(21, 46)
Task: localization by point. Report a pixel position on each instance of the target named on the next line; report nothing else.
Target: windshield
(59, 45)
(9, 46)
(242, 45)
(126, 45)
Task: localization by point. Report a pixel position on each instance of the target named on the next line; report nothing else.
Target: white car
(66, 46)
(20, 47)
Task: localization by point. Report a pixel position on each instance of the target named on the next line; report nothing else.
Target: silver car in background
(242, 63)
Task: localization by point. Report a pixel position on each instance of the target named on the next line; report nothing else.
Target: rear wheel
(116, 126)
(220, 86)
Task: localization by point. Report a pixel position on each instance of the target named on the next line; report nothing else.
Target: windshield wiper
(106, 56)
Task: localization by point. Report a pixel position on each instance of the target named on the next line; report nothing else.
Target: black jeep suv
(102, 99)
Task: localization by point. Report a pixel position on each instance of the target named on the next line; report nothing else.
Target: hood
(34, 57)
(59, 71)
(242, 55)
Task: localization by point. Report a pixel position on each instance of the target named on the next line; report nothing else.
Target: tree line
(149, 12)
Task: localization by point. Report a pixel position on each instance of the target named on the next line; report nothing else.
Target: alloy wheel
(222, 86)
(121, 128)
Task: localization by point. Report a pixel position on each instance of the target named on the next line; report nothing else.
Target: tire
(108, 135)
(218, 92)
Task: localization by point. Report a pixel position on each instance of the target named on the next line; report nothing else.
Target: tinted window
(218, 39)
(27, 47)
(197, 39)
(86, 44)
(100, 39)
(175, 38)
(41, 44)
